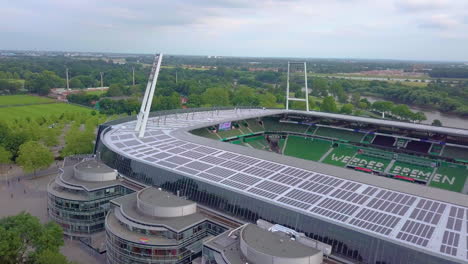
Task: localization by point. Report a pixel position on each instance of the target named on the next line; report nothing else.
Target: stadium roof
(428, 219)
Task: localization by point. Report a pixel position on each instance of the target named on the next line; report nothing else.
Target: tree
(78, 142)
(347, 109)
(355, 98)
(245, 96)
(216, 97)
(5, 159)
(33, 156)
(23, 239)
(267, 100)
(419, 116)
(436, 122)
(116, 90)
(329, 105)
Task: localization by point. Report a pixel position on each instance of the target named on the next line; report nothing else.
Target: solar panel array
(409, 219)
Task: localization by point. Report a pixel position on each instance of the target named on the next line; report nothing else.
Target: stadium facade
(365, 219)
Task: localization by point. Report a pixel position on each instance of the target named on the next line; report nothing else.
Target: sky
(382, 29)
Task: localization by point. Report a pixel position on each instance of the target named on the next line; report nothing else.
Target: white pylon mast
(297, 67)
(145, 108)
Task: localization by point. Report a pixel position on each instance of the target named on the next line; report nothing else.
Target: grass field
(306, 148)
(6, 100)
(95, 92)
(35, 111)
(450, 177)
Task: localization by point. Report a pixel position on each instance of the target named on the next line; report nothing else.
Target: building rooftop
(68, 186)
(274, 244)
(160, 198)
(128, 207)
(412, 215)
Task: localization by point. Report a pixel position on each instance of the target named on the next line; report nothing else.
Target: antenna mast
(145, 109)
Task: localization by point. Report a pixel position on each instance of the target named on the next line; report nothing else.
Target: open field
(35, 111)
(95, 92)
(6, 100)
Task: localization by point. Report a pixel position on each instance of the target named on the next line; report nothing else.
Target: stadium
(377, 191)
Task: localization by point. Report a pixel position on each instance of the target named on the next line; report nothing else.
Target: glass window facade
(186, 245)
(83, 217)
(346, 242)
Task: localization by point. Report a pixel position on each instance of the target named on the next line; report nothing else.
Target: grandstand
(253, 125)
(340, 155)
(455, 153)
(274, 124)
(450, 176)
(339, 134)
(306, 148)
(364, 151)
(384, 141)
(418, 146)
(416, 172)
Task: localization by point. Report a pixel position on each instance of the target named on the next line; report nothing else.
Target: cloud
(421, 5)
(440, 21)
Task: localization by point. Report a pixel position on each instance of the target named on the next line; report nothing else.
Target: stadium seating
(254, 125)
(435, 149)
(368, 138)
(416, 160)
(230, 133)
(306, 148)
(204, 132)
(339, 134)
(384, 141)
(417, 172)
(401, 143)
(258, 142)
(418, 146)
(374, 163)
(340, 155)
(455, 153)
(273, 124)
(450, 176)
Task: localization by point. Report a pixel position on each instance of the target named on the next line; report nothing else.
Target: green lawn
(23, 99)
(310, 149)
(450, 177)
(95, 92)
(35, 111)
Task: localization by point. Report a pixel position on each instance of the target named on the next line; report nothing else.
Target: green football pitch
(305, 148)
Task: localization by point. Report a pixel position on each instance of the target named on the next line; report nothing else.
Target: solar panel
(220, 172)
(235, 184)
(294, 203)
(178, 160)
(365, 207)
(262, 193)
(246, 179)
(272, 187)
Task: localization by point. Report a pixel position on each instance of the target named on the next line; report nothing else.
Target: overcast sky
(390, 29)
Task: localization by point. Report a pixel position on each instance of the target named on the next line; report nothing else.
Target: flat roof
(128, 207)
(68, 177)
(407, 214)
(93, 166)
(274, 244)
(156, 197)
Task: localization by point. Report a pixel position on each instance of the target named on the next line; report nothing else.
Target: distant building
(62, 93)
(154, 226)
(78, 198)
(260, 244)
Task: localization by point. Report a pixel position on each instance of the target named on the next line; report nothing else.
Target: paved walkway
(30, 195)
